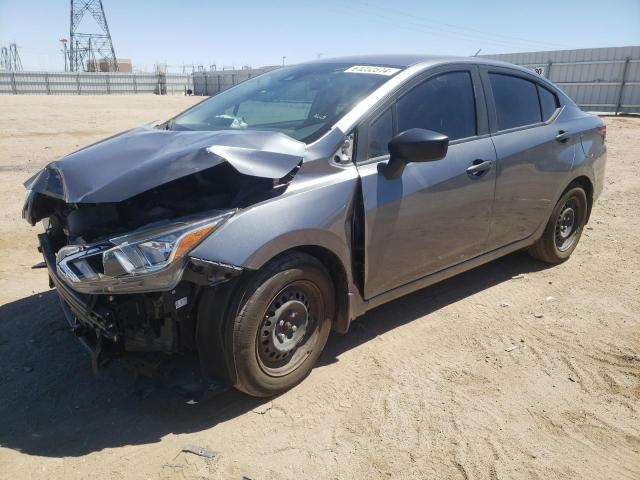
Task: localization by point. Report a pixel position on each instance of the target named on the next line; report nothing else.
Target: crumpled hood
(138, 160)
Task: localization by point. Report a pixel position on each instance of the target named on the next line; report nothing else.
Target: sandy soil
(512, 370)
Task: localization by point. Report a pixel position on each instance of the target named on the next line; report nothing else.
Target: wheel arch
(586, 184)
(338, 272)
(214, 303)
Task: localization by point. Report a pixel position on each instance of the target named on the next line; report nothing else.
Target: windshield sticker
(388, 71)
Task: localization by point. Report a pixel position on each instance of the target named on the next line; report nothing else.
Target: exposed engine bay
(218, 188)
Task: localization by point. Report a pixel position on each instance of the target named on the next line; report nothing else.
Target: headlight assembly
(150, 259)
(146, 253)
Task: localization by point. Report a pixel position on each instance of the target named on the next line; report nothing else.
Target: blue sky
(248, 32)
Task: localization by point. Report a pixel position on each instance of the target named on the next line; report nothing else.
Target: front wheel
(564, 228)
(281, 324)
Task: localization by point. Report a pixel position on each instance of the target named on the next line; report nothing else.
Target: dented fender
(258, 233)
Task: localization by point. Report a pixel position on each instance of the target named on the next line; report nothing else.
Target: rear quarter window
(548, 103)
(516, 101)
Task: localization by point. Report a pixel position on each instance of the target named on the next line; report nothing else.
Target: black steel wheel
(564, 228)
(282, 321)
(567, 227)
(287, 327)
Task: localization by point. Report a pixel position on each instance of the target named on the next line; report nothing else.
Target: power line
(417, 27)
(491, 35)
(419, 23)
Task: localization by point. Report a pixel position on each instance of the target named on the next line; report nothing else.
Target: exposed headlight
(145, 253)
(148, 259)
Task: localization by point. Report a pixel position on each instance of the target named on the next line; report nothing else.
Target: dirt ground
(513, 370)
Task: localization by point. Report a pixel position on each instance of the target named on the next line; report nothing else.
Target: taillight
(602, 131)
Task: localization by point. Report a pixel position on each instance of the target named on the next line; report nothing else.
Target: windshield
(301, 101)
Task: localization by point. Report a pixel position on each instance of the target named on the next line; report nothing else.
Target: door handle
(562, 136)
(479, 167)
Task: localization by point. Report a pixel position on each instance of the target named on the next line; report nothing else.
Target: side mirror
(414, 145)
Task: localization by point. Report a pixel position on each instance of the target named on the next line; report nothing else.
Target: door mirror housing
(413, 145)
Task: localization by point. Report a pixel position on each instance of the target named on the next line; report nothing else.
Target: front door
(438, 213)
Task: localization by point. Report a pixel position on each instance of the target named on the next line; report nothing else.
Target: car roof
(408, 60)
(389, 60)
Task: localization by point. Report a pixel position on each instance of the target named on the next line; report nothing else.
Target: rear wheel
(281, 324)
(564, 228)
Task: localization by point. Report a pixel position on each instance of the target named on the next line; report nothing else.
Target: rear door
(534, 147)
(436, 214)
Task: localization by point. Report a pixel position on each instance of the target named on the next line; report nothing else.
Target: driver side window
(444, 104)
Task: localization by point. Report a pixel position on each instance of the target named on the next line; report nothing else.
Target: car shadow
(428, 300)
(52, 405)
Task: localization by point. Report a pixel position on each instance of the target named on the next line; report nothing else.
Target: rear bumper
(599, 168)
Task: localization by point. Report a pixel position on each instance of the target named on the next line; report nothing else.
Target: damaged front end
(159, 318)
(149, 259)
(119, 229)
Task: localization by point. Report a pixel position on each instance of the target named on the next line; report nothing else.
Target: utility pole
(87, 46)
(92, 64)
(283, 57)
(66, 58)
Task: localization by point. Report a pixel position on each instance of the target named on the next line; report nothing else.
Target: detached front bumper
(81, 306)
(114, 325)
(89, 323)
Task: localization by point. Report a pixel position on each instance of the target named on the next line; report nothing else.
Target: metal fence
(597, 79)
(87, 83)
(210, 83)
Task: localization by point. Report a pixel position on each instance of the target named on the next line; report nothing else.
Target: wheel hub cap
(567, 219)
(284, 328)
(567, 227)
(290, 325)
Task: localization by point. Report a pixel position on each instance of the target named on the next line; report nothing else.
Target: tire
(564, 228)
(280, 324)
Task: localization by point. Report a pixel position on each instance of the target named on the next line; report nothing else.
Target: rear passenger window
(516, 101)
(548, 103)
(444, 104)
(380, 134)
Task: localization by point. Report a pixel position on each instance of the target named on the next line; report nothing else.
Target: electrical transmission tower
(87, 48)
(10, 58)
(5, 63)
